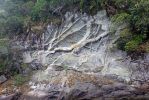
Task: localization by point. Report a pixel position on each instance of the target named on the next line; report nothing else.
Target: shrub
(135, 14)
(133, 44)
(139, 19)
(26, 8)
(125, 36)
(121, 18)
(126, 33)
(38, 10)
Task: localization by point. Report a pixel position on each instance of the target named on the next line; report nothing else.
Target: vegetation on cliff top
(19, 15)
(135, 15)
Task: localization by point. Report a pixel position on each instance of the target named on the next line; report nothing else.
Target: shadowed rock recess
(83, 63)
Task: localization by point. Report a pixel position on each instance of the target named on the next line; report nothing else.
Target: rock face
(82, 63)
(83, 91)
(75, 85)
(83, 44)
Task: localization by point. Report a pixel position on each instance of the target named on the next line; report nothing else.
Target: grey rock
(41, 95)
(113, 87)
(35, 95)
(57, 67)
(84, 91)
(97, 93)
(77, 94)
(141, 97)
(119, 79)
(98, 69)
(35, 65)
(119, 86)
(55, 88)
(9, 97)
(147, 57)
(111, 76)
(120, 93)
(85, 86)
(107, 88)
(115, 77)
(108, 98)
(15, 96)
(2, 79)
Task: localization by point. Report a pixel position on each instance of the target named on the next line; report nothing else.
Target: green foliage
(2, 66)
(20, 13)
(121, 18)
(91, 6)
(3, 62)
(4, 42)
(121, 42)
(27, 8)
(81, 4)
(14, 24)
(12, 19)
(125, 36)
(135, 14)
(139, 16)
(37, 10)
(20, 79)
(2, 23)
(129, 41)
(125, 33)
(131, 45)
(134, 43)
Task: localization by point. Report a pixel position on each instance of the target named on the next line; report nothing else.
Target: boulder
(119, 86)
(9, 97)
(35, 95)
(2, 79)
(41, 95)
(120, 93)
(14, 96)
